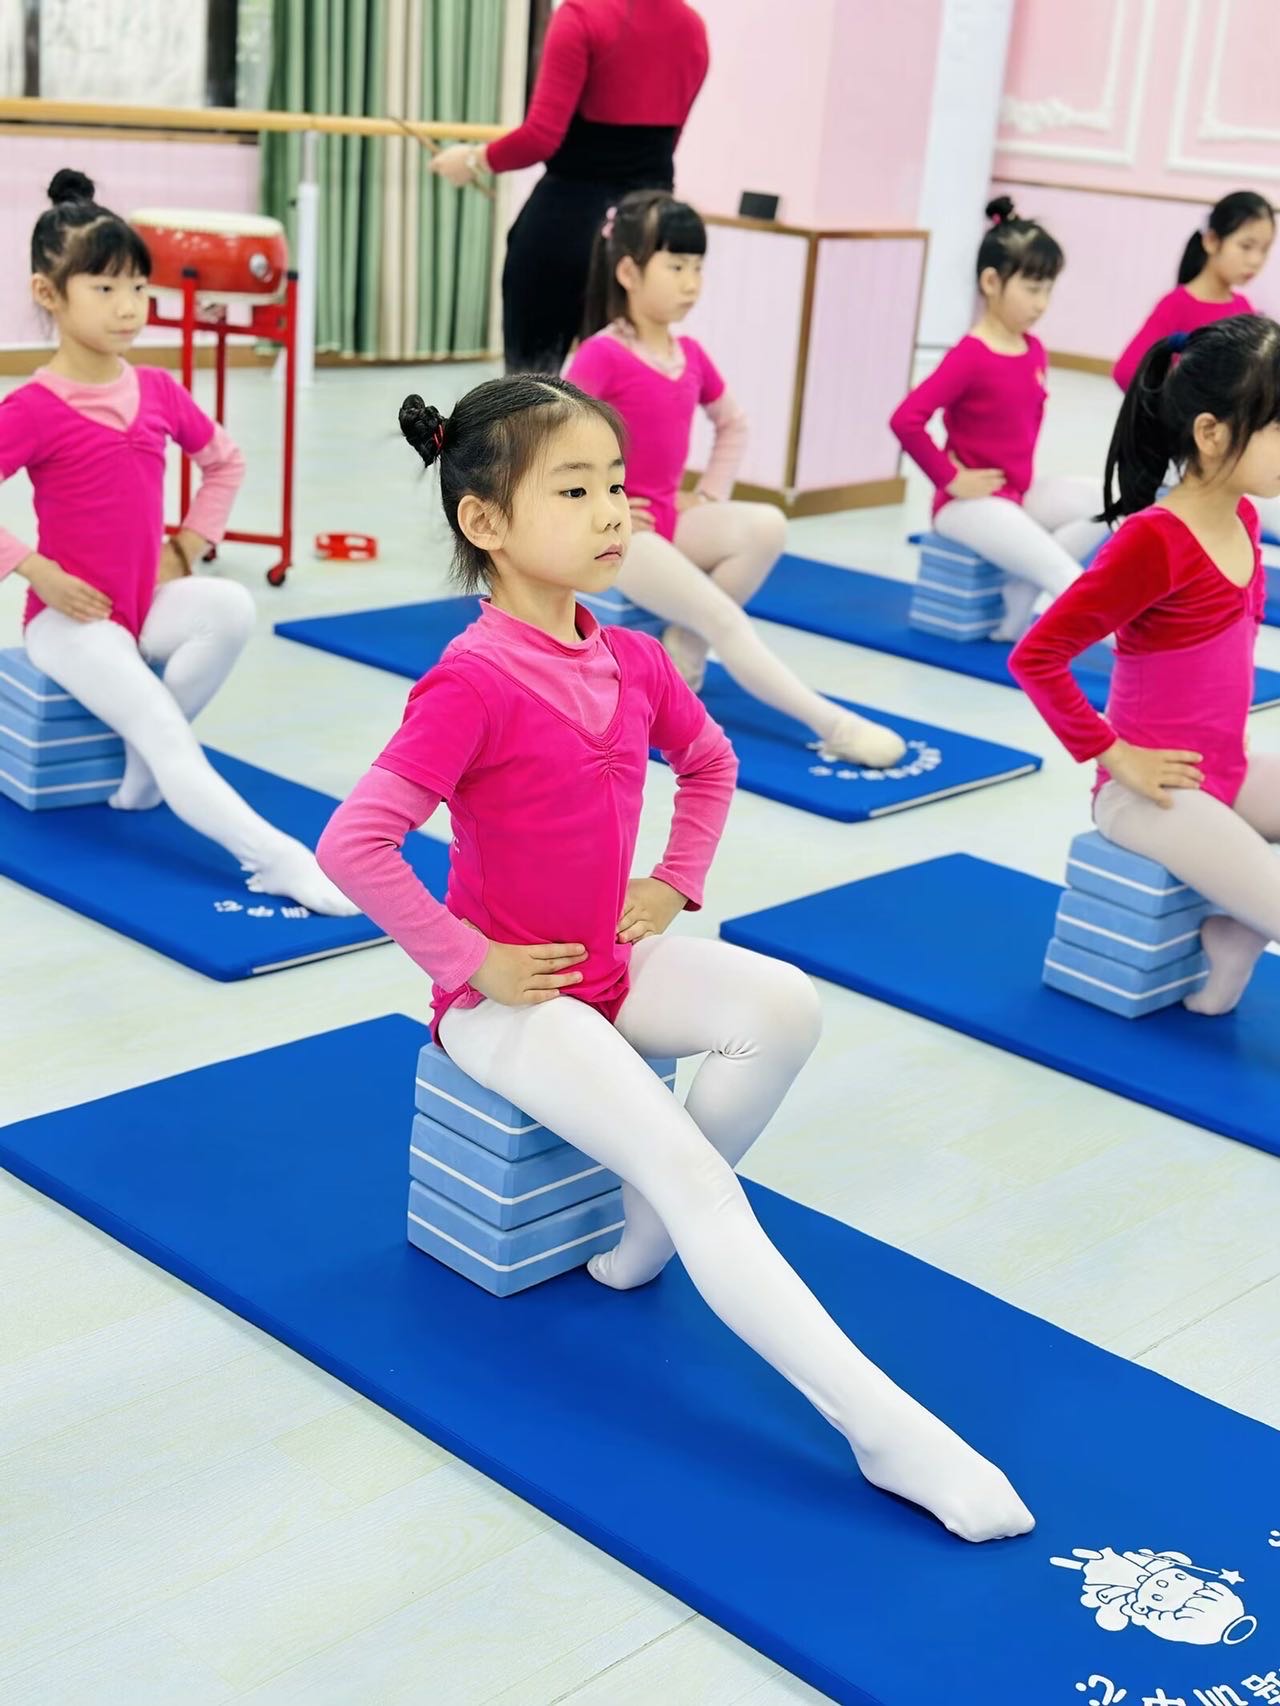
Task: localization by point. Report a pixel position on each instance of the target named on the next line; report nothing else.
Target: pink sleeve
(909, 421)
(222, 469)
(706, 770)
(705, 767)
(562, 76)
(1128, 576)
(361, 851)
(444, 728)
(727, 448)
(17, 447)
(1158, 323)
(189, 426)
(592, 365)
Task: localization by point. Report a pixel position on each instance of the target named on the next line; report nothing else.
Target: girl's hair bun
(69, 185)
(1001, 210)
(424, 427)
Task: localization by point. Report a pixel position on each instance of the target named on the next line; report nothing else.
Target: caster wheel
(275, 577)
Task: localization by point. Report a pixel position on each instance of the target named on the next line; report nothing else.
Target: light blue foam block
(504, 1263)
(944, 563)
(28, 736)
(1133, 938)
(502, 1193)
(932, 615)
(23, 684)
(48, 787)
(445, 1093)
(1118, 988)
(1097, 866)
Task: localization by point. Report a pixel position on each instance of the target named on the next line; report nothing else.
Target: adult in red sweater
(615, 84)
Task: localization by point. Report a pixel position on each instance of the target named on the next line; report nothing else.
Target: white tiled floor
(193, 1514)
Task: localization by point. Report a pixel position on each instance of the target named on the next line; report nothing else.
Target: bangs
(680, 230)
(1041, 256)
(110, 247)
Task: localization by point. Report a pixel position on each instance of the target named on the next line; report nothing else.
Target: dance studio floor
(194, 1514)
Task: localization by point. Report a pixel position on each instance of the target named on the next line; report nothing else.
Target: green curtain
(404, 259)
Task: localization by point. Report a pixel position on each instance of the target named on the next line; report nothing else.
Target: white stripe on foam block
(511, 1267)
(526, 1196)
(510, 1130)
(63, 740)
(1128, 882)
(1128, 994)
(58, 698)
(62, 787)
(1129, 941)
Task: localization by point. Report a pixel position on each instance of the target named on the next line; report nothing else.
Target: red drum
(240, 256)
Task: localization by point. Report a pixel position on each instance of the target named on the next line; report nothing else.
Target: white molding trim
(1051, 112)
(1210, 128)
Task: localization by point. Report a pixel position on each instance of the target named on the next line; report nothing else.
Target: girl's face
(1238, 259)
(102, 311)
(570, 525)
(1257, 473)
(1017, 303)
(663, 291)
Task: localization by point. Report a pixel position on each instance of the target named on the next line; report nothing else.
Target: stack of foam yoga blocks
(1127, 932)
(52, 752)
(496, 1196)
(958, 595)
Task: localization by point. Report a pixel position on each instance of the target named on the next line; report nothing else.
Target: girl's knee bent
(217, 607)
(768, 527)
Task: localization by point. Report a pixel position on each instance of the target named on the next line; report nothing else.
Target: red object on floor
(346, 547)
(217, 268)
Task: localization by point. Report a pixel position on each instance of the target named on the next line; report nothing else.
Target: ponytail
(1195, 257)
(1229, 370)
(601, 283)
(1141, 447)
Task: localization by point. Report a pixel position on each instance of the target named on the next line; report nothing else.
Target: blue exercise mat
(149, 876)
(871, 610)
(775, 755)
(642, 1424)
(962, 942)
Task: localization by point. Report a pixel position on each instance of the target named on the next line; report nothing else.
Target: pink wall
(758, 122)
(128, 175)
(1150, 98)
(749, 320)
(823, 102)
(1174, 97)
(859, 363)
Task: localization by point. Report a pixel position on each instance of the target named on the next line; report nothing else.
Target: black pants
(544, 280)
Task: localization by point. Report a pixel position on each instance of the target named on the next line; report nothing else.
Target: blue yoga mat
(774, 752)
(149, 876)
(642, 1424)
(962, 941)
(871, 610)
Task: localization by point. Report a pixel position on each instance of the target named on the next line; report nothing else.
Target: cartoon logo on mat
(920, 758)
(1163, 1593)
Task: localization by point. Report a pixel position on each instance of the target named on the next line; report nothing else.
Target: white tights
(1222, 851)
(196, 628)
(1041, 541)
(757, 1020)
(721, 556)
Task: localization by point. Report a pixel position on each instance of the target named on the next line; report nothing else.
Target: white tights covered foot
(292, 872)
(1232, 950)
(903, 1449)
(858, 741)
